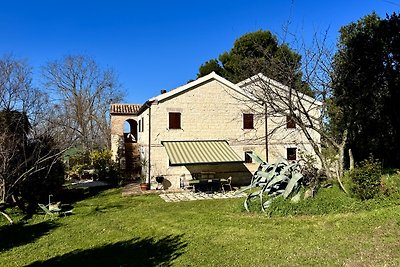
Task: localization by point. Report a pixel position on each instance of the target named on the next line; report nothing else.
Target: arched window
(130, 131)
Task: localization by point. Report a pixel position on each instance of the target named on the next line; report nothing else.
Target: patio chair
(47, 211)
(227, 183)
(188, 184)
(216, 185)
(53, 212)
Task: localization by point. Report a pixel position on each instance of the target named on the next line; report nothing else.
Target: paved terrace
(190, 196)
(179, 194)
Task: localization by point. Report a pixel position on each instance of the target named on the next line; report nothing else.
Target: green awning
(200, 152)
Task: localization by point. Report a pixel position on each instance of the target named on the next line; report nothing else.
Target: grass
(111, 230)
(328, 201)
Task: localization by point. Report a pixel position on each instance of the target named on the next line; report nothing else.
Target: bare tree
(270, 99)
(23, 153)
(82, 93)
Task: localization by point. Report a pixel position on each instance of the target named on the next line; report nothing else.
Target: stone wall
(117, 134)
(212, 111)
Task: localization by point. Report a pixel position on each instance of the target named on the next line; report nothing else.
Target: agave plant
(279, 179)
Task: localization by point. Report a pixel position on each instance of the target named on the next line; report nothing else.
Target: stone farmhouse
(203, 129)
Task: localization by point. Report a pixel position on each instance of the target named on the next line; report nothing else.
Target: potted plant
(143, 184)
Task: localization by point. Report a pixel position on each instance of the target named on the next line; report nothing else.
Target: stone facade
(211, 108)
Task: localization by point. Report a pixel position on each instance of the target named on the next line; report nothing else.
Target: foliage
(312, 176)
(270, 181)
(28, 155)
(366, 179)
(101, 230)
(329, 200)
(258, 52)
(48, 180)
(105, 168)
(31, 168)
(99, 161)
(210, 66)
(390, 184)
(366, 88)
(13, 139)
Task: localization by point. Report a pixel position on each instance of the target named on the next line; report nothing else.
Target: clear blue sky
(155, 45)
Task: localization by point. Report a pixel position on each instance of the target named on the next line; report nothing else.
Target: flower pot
(144, 186)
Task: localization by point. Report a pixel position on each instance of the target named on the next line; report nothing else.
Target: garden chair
(47, 211)
(53, 212)
(227, 183)
(188, 184)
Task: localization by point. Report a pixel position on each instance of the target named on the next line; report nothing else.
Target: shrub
(49, 177)
(365, 179)
(105, 169)
(98, 164)
(328, 201)
(390, 184)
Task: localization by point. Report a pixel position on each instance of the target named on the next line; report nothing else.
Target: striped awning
(200, 152)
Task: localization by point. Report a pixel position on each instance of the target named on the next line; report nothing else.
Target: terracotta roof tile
(124, 108)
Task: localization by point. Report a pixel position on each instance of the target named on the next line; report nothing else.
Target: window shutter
(248, 121)
(174, 120)
(290, 123)
(291, 153)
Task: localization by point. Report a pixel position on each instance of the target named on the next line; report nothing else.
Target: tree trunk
(341, 161)
(351, 159)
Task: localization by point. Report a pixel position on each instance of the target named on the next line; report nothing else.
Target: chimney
(163, 91)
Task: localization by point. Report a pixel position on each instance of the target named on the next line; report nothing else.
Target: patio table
(209, 185)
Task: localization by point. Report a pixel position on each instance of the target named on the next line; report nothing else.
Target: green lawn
(111, 230)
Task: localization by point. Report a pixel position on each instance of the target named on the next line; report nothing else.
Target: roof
(200, 152)
(189, 86)
(262, 78)
(237, 87)
(124, 108)
(199, 81)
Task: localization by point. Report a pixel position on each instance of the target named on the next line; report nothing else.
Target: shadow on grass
(72, 195)
(134, 252)
(20, 234)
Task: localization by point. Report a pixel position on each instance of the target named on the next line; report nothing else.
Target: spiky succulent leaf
(256, 158)
(293, 181)
(296, 198)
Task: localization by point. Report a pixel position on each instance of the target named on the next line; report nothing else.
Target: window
(291, 153)
(247, 158)
(141, 125)
(174, 120)
(248, 121)
(290, 123)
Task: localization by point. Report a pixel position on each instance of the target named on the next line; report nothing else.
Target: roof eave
(145, 106)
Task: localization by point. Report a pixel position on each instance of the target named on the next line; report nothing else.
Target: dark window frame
(141, 125)
(174, 120)
(248, 121)
(247, 158)
(291, 153)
